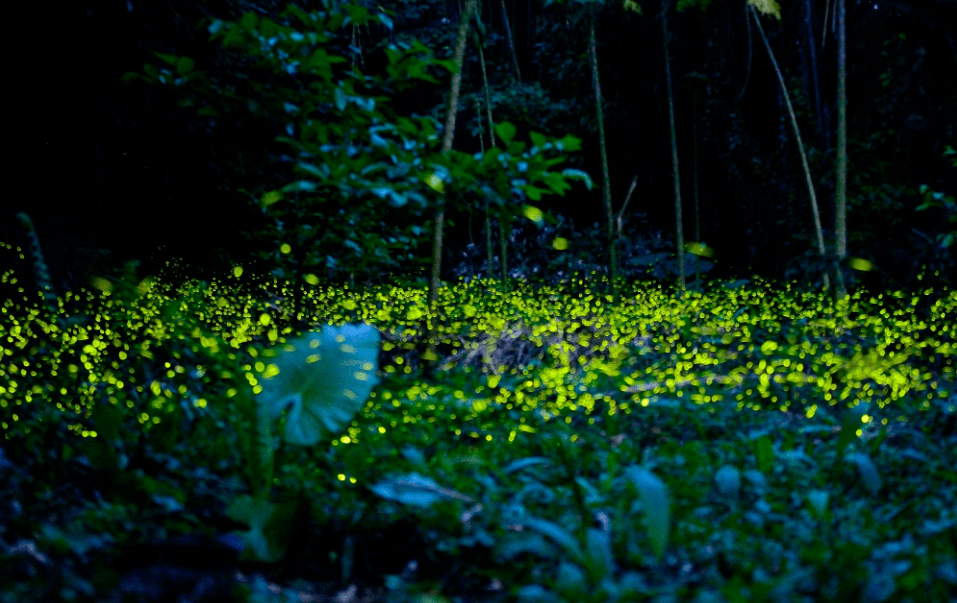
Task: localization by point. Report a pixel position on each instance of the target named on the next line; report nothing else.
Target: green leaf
(358, 14)
(557, 534)
(340, 99)
(249, 21)
(525, 541)
(556, 182)
(169, 59)
(767, 7)
(301, 185)
(413, 489)
(569, 144)
(184, 65)
(817, 501)
(326, 376)
(538, 140)
(506, 131)
(764, 453)
(535, 194)
(515, 148)
(320, 173)
(600, 560)
(867, 471)
(573, 174)
(654, 502)
(571, 581)
(851, 423)
(415, 458)
(524, 463)
(728, 480)
(254, 513)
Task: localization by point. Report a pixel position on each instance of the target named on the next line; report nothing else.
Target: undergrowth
(744, 443)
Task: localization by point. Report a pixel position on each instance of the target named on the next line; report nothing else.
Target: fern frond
(41, 273)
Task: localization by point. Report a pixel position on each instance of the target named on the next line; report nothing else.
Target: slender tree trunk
(797, 135)
(827, 15)
(812, 48)
(840, 188)
(694, 167)
(503, 242)
(606, 184)
(439, 220)
(511, 43)
(679, 223)
(491, 136)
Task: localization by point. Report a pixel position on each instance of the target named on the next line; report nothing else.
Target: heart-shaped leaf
(326, 376)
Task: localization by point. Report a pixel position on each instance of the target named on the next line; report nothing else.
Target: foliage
(745, 441)
(364, 176)
(939, 200)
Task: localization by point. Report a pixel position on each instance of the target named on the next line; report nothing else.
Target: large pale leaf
(326, 377)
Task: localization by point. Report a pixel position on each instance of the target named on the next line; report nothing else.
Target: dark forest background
(110, 170)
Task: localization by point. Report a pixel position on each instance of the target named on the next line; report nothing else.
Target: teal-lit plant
(315, 384)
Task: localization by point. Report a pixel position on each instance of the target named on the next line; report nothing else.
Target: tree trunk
(816, 82)
(840, 188)
(679, 223)
(511, 43)
(491, 136)
(797, 135)
(439, 220)
(694, 168)
(606, 184)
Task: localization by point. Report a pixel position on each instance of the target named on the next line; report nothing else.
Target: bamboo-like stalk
(439, 219)
(511, 44)
(606, 184)
(797, 135)
(840, 188)
(679, 222)
(694, 169)
(503, 243)
(491, 136)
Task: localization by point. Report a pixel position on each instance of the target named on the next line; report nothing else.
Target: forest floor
(559, 444)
